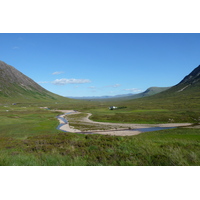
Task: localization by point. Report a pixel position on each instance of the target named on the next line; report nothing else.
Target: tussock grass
(178, 147)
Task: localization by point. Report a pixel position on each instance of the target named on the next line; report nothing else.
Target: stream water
(62, 124)
(143, 130)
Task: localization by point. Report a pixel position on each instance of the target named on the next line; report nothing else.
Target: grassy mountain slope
(15, 86)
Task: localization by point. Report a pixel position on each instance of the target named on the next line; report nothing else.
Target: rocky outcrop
(193, 77)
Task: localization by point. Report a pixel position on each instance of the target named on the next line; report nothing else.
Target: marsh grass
(178, 147)
(20, 124)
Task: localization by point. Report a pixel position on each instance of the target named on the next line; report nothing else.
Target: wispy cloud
(15, 47)
(57, 73)
(92, 87)
(113, 86)
(134, 90)
(64, 81)
(116, 85)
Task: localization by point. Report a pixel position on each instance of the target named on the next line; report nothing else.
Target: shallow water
(60, 125)
(143, 130)
(63, 119)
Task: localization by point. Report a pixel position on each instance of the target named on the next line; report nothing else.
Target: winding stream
(142, 130)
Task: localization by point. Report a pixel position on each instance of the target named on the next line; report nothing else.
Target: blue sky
(96, 64)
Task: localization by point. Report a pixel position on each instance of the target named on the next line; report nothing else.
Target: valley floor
(28, 137)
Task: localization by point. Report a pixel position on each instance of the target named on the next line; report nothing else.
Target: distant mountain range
(150, 91)
(100, 97)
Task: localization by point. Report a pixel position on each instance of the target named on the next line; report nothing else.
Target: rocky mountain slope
(189, 84)
(192, 78)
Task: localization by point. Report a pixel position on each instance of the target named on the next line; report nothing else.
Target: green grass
(28, 135)
(179, 147)
(24, 122)
(149, 116)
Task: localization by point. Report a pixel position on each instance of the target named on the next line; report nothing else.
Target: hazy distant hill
(150, 91)
(16, 86)
(101, 97)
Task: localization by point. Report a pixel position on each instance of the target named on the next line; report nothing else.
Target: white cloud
(64, 81)
(57, 73)
(134, 90)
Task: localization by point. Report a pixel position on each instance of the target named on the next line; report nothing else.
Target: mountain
(189, 84)
(150, 91)
(101, 97)
(184, 95)
(14, 85)
(192, 78)
(188, 87)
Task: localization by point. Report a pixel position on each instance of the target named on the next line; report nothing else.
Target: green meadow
(28, 136)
